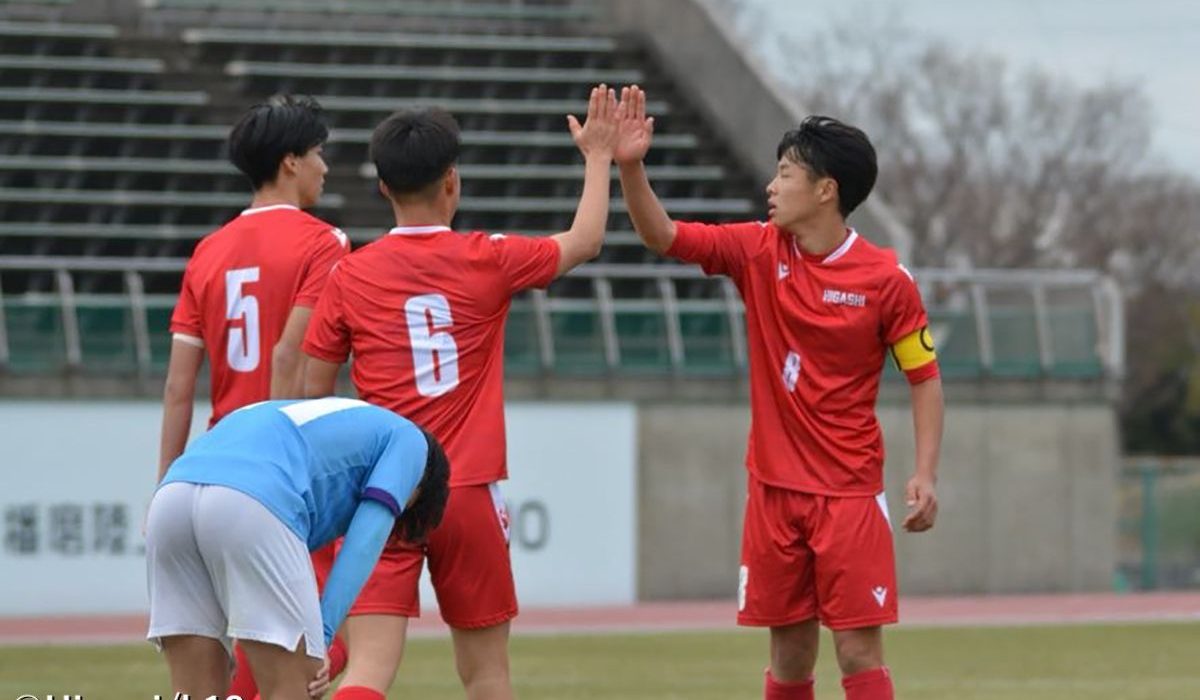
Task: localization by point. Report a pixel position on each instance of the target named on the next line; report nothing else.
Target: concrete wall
(1028, 499)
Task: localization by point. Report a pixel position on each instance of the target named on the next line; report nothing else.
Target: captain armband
(914, 354)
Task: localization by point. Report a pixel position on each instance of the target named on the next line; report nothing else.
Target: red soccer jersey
(818, 328)
(239, 289)
(423, 310)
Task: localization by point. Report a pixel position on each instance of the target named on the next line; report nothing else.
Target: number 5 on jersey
(435, 354)
(242, 350)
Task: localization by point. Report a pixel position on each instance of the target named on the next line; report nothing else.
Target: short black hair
(830, 148)
(269, 132)
(412, 149)
(425, 513)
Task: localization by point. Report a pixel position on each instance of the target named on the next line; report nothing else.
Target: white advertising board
(77, 477)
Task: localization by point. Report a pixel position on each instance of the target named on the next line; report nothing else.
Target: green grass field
(1031, 663)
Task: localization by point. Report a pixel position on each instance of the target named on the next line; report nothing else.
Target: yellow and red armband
(914, 355)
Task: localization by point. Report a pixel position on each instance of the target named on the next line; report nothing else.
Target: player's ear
(383, 190)
(827, 190)
(450, 183)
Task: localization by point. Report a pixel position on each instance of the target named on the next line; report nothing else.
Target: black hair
(413, 149)
(830, 148)
(425, 513)
(269, 132)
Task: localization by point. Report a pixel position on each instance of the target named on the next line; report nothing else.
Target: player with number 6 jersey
(422, 310)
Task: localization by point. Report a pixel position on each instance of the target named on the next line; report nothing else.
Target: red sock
(337, 657)
(243, 684)
(795, 690)
(875, 684)
(358, 692)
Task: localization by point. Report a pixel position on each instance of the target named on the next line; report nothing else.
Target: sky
(1154, 43)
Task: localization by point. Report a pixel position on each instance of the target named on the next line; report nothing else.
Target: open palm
(635, 130)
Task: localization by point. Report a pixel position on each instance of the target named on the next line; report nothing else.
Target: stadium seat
(452, 10)
(241, 38)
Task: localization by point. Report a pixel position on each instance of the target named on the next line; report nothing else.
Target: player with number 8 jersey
(422, 310)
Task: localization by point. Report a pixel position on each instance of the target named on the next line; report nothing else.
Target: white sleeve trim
(188, 339)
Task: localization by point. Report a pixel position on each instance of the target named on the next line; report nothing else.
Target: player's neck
(421, 215)
(820, 237)
(272, 195)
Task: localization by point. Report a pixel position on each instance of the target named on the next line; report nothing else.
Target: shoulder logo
(339, 234)
(784, 270)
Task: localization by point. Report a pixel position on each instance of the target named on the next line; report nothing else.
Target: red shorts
(322, 561)
(468, 562)
(806, 556)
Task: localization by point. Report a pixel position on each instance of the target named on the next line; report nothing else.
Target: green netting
(106, 339)
(35, 336)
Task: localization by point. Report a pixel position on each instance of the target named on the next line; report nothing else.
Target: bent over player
(230, 529)
(824, 307)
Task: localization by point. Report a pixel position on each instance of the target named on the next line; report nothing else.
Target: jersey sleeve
(365, 539)
(906, 327)
(398, 469)
(526, 261)
(328, 337)
(330, 247)
(720, 249)
(187, 318)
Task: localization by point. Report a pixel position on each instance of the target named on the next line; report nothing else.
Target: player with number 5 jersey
(249, 288)
(250, 285)
(422, 310)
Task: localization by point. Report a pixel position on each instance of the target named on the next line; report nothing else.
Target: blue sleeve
(398, 469)
(365, 538)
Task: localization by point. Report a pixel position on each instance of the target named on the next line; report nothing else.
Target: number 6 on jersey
(435, 355)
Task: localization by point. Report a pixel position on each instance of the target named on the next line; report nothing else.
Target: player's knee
(794, 651)
(859, 650)
(489, 667)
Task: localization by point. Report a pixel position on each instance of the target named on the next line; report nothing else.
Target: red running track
(707, 615)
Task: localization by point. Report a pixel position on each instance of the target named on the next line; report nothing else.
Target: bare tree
(991, 167)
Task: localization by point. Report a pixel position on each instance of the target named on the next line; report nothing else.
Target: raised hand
(636, 129)
(598, 135)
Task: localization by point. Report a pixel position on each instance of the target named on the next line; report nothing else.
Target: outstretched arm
(596, 139)
(364, 542)
(649, 218)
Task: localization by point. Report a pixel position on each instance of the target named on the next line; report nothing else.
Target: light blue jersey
(310, 462)
(324, 467)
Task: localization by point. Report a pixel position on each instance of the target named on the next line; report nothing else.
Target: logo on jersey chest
(840, 298)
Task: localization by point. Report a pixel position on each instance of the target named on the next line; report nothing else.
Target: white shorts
(220, 565)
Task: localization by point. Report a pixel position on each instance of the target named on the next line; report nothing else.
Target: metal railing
(978, 295)
(1159, 543)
